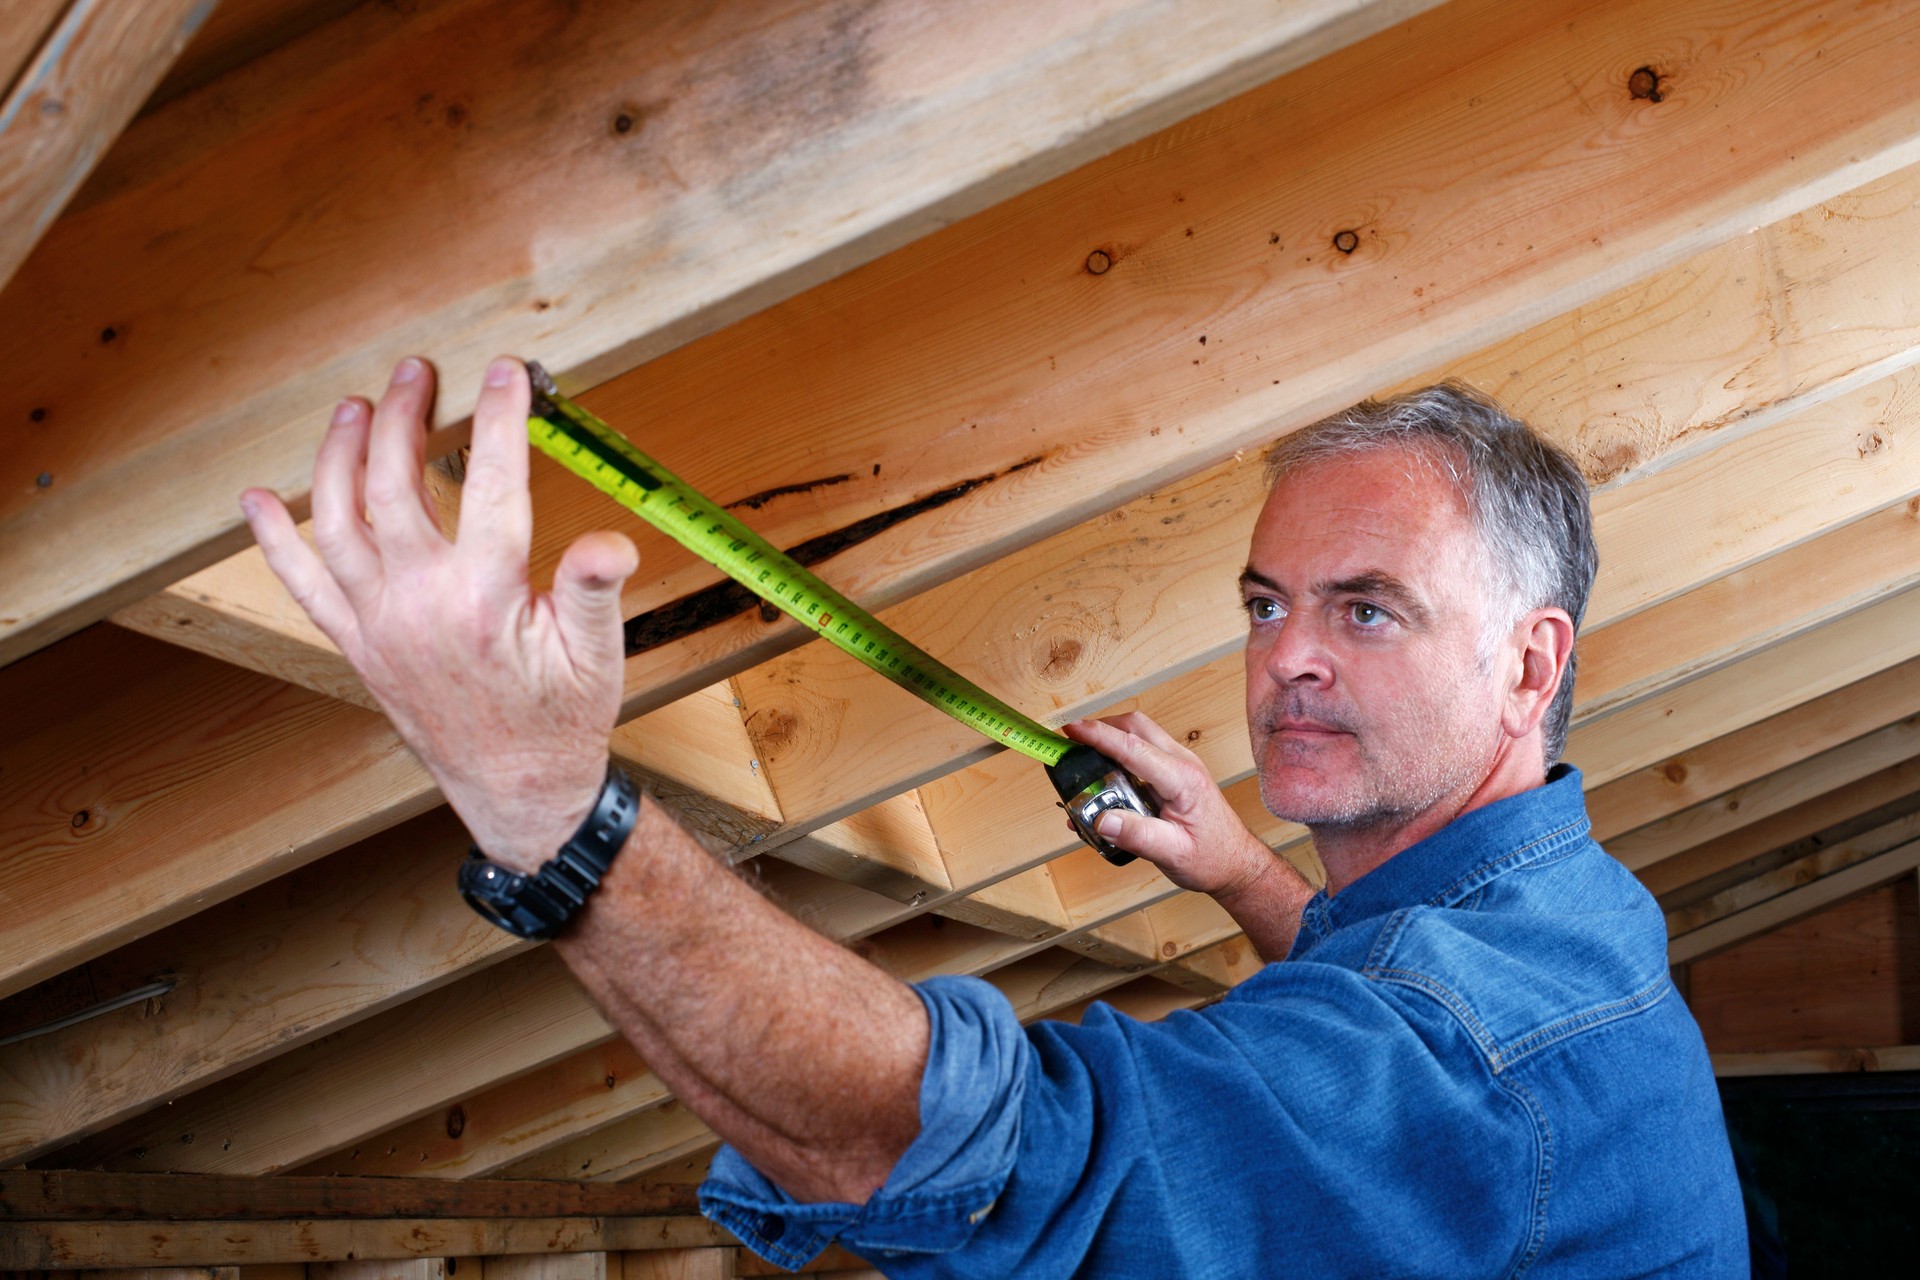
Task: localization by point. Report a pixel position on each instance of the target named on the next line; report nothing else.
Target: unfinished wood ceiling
(994, 305)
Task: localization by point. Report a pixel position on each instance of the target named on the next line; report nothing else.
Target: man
(1470, 1063)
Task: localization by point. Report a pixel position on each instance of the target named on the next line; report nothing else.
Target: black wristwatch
(539, 906)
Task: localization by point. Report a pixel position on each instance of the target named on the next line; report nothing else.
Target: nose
(1296, 653)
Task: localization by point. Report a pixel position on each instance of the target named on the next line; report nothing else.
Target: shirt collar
(1461, 856)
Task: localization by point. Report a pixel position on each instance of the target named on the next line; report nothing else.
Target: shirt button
(768, 1226)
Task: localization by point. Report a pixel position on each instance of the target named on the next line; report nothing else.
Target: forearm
(1267, 906)
(803, 1056)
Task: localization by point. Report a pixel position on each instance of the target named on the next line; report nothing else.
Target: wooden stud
(380, 1269)
(678, 1264)
(83, 1195)
(1797, 1062)
(560, 1266)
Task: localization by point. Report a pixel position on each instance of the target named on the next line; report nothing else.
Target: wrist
(541, 902)
(522, 832)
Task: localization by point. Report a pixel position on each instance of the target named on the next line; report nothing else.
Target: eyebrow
(1376, 583)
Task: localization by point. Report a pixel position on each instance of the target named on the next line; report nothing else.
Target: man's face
(1366, 593)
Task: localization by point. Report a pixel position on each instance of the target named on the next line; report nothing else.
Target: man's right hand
(1198, 841)
(505, 693)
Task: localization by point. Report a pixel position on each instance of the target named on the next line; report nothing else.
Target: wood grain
(989, 345)
(70, 1246)
(764, 149)
(72, 96)
(1848, 976)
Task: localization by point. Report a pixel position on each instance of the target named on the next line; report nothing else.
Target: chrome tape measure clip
(1088, 782)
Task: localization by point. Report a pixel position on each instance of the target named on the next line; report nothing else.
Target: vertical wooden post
(679, 1264)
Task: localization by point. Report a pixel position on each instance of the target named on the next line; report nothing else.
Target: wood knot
(1870, 443)
(1099, 262)
(1169, 949)
(773, 731)
(1058, 656)
(1675, 772)
(1346, 241)
(1644, 84)
(456, 1121)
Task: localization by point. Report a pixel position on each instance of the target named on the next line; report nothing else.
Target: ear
(1544, 639)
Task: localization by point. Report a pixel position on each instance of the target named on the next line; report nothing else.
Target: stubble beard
(1369, 790)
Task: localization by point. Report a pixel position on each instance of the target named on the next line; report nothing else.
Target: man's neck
(1351, 851)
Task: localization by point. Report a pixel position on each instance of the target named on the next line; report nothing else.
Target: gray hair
(1527, 499)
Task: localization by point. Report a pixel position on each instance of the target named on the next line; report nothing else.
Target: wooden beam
(314, 826)
(976, 403)
(1803, 587)
(112, 831)
(273, 969)
(1787, 907)
(1801, 1062)
(1747, 692)
(1139, 610)
(95, 64)
(67, 1246)
(78, 1195)
(1214, 970)
(1880, 547)
(1798, 824)
(1815, 775)
(728, 158)
(1805, 870)
(1884, 706)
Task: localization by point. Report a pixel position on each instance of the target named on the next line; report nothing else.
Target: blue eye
(1265, 609)
(1369, 615)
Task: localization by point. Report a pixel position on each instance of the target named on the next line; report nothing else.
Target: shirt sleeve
(948, 1179)
(1310, 1115)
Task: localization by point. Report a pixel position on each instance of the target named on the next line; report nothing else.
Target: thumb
(586, 593)
(1156, 840)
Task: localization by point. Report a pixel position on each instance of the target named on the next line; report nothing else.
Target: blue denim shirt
(1472, 1064)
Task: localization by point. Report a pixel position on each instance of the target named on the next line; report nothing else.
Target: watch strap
(539, 906)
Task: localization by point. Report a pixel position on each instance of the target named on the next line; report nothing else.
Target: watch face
(502, 897)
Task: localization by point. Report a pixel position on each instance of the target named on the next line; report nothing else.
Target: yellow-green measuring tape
(1088, 782)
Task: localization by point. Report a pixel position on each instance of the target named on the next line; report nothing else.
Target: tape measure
(1088, 782)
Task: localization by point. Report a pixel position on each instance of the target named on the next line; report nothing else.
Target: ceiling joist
(675, 170)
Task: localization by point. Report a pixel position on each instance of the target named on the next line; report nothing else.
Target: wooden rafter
(707, 161)
(90, 66)
(1298, 327)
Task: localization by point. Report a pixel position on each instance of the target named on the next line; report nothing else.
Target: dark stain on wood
(755, 501)
(729, 599)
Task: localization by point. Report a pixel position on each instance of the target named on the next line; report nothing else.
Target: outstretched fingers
(496, 512)
(307, 579)
(402, 515)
